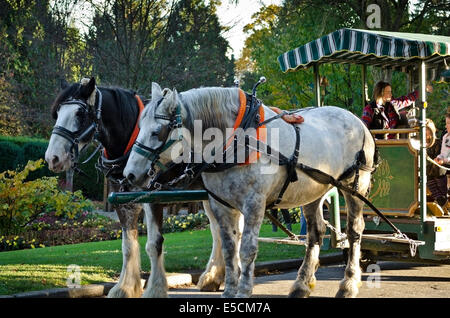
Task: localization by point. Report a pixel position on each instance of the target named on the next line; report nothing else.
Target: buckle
(151, 173)
(189, 172)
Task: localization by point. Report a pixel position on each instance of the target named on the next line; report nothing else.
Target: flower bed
(52, 230)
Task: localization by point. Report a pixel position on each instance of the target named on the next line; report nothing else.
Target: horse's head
(159, 136)
(76, 119)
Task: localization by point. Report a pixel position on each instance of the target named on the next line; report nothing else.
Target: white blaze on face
(137, 165)
(58, 150)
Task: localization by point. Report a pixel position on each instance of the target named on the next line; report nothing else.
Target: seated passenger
(436, 179)
(444, 156)
(383, 111)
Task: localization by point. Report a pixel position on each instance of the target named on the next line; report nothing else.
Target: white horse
(75, 110)
(331, 138)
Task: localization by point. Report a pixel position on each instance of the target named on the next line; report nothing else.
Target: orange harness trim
(135, 133)
(261, 132)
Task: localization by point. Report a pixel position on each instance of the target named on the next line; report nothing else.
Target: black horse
(84, 112)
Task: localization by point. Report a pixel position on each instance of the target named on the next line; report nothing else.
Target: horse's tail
(362, 162)
(376, 159)
(376, 152)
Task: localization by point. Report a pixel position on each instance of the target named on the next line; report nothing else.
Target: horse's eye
(156, 132)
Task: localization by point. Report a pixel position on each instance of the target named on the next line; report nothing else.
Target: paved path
(394, 280)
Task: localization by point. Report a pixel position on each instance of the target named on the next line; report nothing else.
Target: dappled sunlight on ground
(14, 277)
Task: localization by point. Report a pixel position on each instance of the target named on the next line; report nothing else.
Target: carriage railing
(395, 183)
(401, 133)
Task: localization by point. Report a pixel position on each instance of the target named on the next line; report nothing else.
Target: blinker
(162, 135)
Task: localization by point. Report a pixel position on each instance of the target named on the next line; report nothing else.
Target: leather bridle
(74, 137)
(153, 154)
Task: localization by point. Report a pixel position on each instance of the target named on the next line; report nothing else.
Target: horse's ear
(156, 91)
(173, 101)
(63, 83)
(87, 87)
(166, 91)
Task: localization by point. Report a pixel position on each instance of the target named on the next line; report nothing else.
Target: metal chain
(412, 244)
(176, 180)
(342, 236)
(148, 194)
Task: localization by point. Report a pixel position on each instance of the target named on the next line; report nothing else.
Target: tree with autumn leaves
(277, 29)
(127, 43)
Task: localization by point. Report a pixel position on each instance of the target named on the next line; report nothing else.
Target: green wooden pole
(158, 196)
(317, 84)
(423, 149)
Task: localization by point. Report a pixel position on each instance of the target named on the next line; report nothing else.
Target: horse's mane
(123, 97)
(211, 105)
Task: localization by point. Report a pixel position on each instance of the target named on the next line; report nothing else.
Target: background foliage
(17, 151)
(181, 44)
(22, 201)
(277, 29)
(123, 43)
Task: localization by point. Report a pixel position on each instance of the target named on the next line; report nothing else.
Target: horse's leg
(305, 282)
(349, 286)
(129, 284)
(253, 216)
(157, 282)
(228, 221)
(213, 276)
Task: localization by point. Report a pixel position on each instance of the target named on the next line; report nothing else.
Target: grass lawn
(44, 268)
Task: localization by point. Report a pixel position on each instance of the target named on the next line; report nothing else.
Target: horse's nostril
(131, 177)
(55, 160)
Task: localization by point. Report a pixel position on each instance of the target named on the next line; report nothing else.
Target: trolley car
(399, 187)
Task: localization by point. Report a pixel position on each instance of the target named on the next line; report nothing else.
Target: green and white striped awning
(378, 48)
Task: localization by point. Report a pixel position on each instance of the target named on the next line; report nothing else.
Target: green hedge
(16, 151)
(12, 155)
(91, 187)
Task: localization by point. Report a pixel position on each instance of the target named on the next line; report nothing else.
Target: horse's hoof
(209, 287)
(348, 289)
(157, 288)
(299, 291)
(229, 294)
(153, 293)
(345, 294)
(121, 292)
(209, 283)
